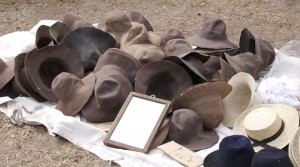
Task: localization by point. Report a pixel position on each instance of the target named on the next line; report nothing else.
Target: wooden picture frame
(137, 122)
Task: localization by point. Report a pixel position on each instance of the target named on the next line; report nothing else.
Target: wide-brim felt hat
(234, 151)
(186, 129)
(163, 79)
(206, 100)
(8, 90)
(58, 31)
(6, 72)
(271, 157)
(172, 33)
(43, 37)
(139, 18)
(110, 92)
(212, 36)
(211, 67)
(90, 43)
(121, 60)
(46, 63)
(225, 73)
(294, 147)
(240, 98)
(72, 92)
(246, 62)
(259, 47)
(74, 22)
(145, 53)
(22, 84)
(269, 125)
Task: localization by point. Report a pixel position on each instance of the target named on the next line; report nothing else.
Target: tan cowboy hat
(240, 98)
(46, 63)
(294, 148)
(72, 92)
(206, 100)
(268, 125)
(6, 72)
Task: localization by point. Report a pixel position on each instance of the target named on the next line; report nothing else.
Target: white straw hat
(268, 125)
(240, 98)
(294, 145)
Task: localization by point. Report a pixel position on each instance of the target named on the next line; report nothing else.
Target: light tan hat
(268, 125)
(294, 148)
(240, 98)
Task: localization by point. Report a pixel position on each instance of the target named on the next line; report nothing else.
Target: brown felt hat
(6, 72)
(163, 79)
(72, 92)
(43, 37)
(21, 83)
(186, 129)
(206, 100)
(246, 62)
(46, 63)
(116, 23)
(259, 47)
(73, 22)
(225, 72)
(212, 36)
(110, 92)
(58, 31)
(172, 33)
(145, 53)
(90, 43)
(211, 67)
(119, 59)
(139, 18)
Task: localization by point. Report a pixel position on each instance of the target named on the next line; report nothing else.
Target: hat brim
(206, 140)
(211, 44)
(289, 116)
(52, 60)
(79, 98)
(294, 145)
(212, 159)
(240, 97)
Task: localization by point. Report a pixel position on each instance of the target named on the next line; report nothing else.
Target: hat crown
(262, 123)
(176, 47)
(171, 34)
(214, 29)
(271, 157)
(116, 22)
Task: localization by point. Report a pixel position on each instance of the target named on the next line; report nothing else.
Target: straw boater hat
(206, 100)
(90, 43)
(139, 18)
(163, 79)
(212, 36)
(6, 72)
(186, 129)
(121, 61)
(46, 63)
(268, 125)
(43, 37)
(240, 98)
(294, 148)
(72, 92)
(110, 92)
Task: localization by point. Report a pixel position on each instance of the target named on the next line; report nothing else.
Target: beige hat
(240, 98)
(294, 152)
(268, 125)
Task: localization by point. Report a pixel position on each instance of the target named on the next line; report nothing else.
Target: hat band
(264, 142)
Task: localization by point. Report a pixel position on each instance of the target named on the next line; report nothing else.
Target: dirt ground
(277, 21)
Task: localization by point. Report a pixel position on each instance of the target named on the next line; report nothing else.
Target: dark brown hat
(172, 33)
(46, 63)
(246, 62)
(6, 72)
(120, 60)
(163, 79)
(211, 67)
(225, 73)
(139, 18)
(110, 92)
(73, 22)
(90, 43)
(72, 92)
(259, 47)
(212, 36)
(116, 23)
(21, 82)
(58, 31)
(206, 100)
(145, 53)
(43, 37)
(186, 129)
